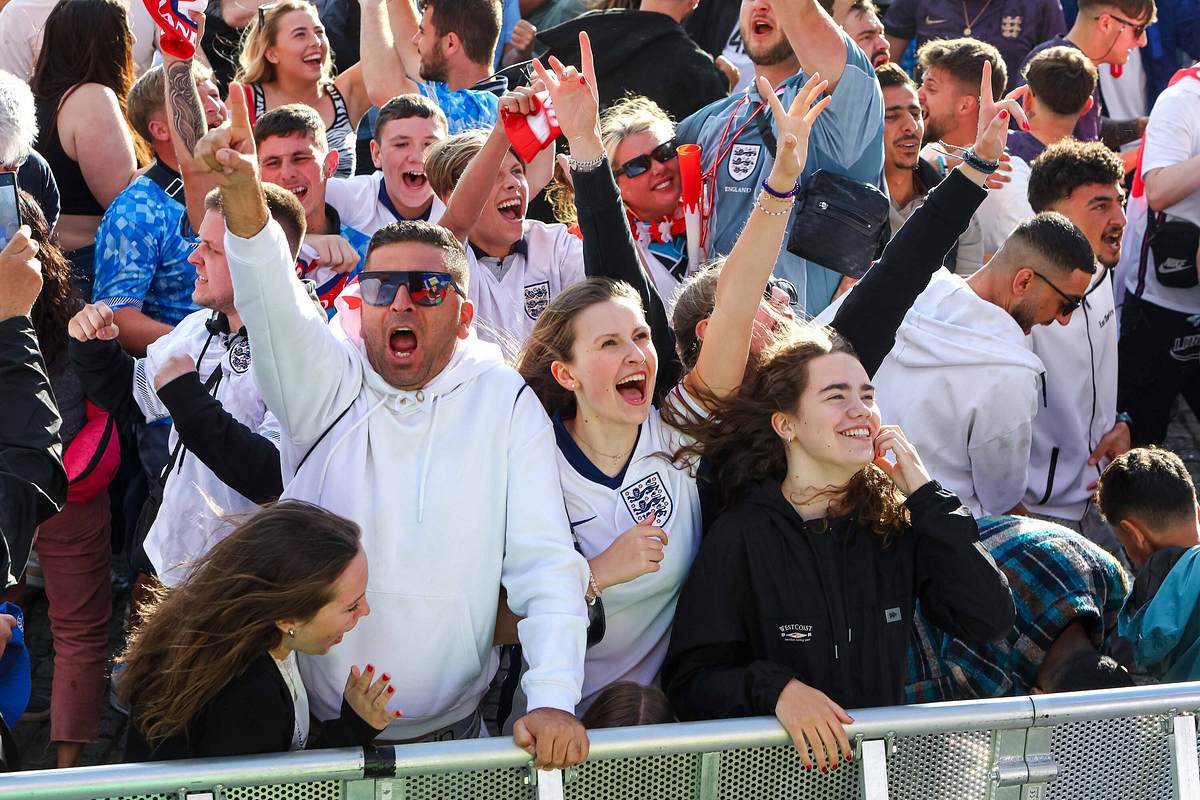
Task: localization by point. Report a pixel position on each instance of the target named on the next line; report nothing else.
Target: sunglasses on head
(640, 164)
(425, 288)
(1070, 303)
(1138, 30)
(784, 285)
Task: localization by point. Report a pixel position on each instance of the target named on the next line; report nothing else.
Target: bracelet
(1124, 417)
(783, 212)
(594, 590)
(586, 166)
(974, 161)
(766, 187)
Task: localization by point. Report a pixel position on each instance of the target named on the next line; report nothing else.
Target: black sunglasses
(1138, 30)
(640, 164)
(425, 288)
(784, 285)
(1070, 304)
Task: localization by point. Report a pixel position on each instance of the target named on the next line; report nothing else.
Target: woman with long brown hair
(73, 546)
(212, 667)
(83, 76)
(800, 601)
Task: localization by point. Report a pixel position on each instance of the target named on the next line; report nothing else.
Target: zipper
(1050, 477)
(844, 214)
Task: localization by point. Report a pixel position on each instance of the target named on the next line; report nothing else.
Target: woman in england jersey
(592, 362)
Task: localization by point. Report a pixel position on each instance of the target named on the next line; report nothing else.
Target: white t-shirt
(1173, 136)
(295, 684)
(735, 52)
(21, 24)
(1125, 96)
(359, 201)
(511, 293)
(637, 614)
(1005, 208)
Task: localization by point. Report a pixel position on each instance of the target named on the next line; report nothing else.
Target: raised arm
(187, 123)
(383, 70)
(815, 38)
(722, 359)
(475, 186)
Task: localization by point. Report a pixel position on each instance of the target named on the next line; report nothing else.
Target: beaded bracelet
(766, 187)
(973, 160)
(783, 212)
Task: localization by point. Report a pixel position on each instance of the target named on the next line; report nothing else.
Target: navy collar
(386, 201)
(581, 463)
(520, 248)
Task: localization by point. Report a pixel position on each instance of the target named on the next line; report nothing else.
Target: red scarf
(662, 232)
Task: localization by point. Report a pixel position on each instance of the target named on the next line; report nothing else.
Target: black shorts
(1158, 359)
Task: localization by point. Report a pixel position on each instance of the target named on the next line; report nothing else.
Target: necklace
(971, 22)
(618, 457)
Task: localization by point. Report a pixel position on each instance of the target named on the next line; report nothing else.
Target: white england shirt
(638, 614)
(363, 204)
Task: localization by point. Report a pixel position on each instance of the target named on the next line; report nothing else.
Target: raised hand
(634, 553)
(794, 124)
(174, 367)
(93, 321)
(908, 473)
(369, 699)
(227, 153)
(333, 251)
(574, 94)
(992, 130)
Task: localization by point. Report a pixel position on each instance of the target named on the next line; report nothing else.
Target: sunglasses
(636, 166)
(425, 288)
(1070, 304)
(784, 285)
(1138, 30)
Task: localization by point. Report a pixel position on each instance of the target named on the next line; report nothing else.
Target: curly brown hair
(59, 300)
(738, 438)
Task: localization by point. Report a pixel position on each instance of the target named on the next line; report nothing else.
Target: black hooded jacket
(771, 598)
(641, 53)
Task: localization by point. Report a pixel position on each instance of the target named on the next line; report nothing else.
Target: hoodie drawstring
(425, 460)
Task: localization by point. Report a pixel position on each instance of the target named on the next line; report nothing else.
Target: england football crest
(743, 159)
(239, 356)
(646, 496)
(537, 297)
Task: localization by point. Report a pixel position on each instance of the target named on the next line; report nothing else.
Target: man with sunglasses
(1105, 31)
(1077, 429)
(960, 379)
(398, 417)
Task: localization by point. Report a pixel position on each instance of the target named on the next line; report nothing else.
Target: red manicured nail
(808, 767)
(387, 677)
(391, 690)
(1003, 115)
(397, 714)
(1025, 125)
(824, 769)
(582, 80)
(370, 667)
(849, 758)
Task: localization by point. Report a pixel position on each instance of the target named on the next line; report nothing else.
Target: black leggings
(1159, 359)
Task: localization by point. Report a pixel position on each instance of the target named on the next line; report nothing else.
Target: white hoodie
(455, 488)
(964, 388)
(1079, 404)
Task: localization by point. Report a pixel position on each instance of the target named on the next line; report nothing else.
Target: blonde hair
(447, 160)
(253, 66)
(148, 97)
(631, 115)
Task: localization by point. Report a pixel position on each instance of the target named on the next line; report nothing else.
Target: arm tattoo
(183, 101)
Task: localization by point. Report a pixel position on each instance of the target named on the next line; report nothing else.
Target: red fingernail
(582, 80)
(808, 767)
(1025, 125)
(849, 758)
(1003, 115)
(387, 677)
(824, 769)
(391, 690)
(397, 715)
(370, 668)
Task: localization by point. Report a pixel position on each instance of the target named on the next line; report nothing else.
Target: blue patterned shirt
(466, 108)
(1057, 577)
(141, 254)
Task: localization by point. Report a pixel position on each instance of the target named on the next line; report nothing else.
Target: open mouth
(666, 183)
(860, 432)
(908, 145)
(402, 342)
(300, 191)
(632, 388)
(415, 180)
(1112, 238)
(511, 209)
(314, 60)
(761, 27)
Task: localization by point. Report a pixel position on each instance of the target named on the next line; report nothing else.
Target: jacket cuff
(183, 394)
(768, 686)
(550, 695)
(957, 196)
(356, 726)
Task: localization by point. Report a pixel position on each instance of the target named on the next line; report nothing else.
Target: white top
(356, 199)
(295, 684)
(1173, 136)
(637, 614)
(190, 520)
(453, 485)
(1005, 208)
(1125, 96)
(511, 293)
(735, 51)
(1078, 404)
(964, 388)
(21, 24)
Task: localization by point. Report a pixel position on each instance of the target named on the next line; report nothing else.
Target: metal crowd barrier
(1126, 744)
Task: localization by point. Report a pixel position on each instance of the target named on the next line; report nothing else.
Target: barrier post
(1185, 769)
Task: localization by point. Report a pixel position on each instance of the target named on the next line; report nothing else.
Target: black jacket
(252, 714)
(771, 598)
(712, 23)
(642, 53)
(33, 483)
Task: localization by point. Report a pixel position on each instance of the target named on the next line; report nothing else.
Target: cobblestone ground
(34, 737)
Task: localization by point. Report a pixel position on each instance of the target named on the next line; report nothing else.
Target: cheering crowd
(521, 368)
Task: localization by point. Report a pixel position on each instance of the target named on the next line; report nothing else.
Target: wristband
(974, 161)
(1124, 417)
(766, 187)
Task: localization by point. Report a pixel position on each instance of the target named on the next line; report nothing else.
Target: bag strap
(169, 183)
(323, 435)
(210, 386)
(764, 130)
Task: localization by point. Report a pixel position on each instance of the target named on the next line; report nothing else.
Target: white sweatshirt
(1078, 406)
(454, 486)
(964, 388)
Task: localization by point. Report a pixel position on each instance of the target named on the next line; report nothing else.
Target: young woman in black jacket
(800, 601)
(212, 667)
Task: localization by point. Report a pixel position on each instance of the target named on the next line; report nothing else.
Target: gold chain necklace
(971, 22)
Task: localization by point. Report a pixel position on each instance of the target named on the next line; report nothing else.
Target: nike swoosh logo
(932, 21)
(575, 525)
(1169, 267)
